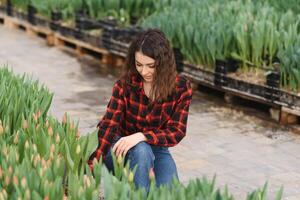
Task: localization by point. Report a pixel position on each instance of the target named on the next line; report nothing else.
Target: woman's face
(145, 65)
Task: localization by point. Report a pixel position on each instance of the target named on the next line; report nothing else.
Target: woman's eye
(152, 66)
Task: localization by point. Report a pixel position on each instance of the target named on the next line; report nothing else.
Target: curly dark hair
(154, 44)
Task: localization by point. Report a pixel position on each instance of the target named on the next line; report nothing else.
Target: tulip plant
(123, 11)
(40, 157)
(284, 5)
(250, 32)
(20, 99)
(290, 68)
(21, 4)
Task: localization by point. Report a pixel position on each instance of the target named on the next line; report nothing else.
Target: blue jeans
(147, 157)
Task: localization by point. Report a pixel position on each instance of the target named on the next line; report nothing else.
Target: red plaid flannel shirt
(163, 124)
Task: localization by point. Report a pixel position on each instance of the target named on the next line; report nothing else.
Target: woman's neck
(147, 88)
(147, 84)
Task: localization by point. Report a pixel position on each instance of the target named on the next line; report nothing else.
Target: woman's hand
(125, 143)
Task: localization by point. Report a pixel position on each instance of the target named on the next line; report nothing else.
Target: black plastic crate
(78, 34)
(56, 16)
(222, 68)
(120, 47)
(66, 31)
(201, 75)
(125, 35)
(9, 8)
(54, 26)
(2, 9)
(273, 81)
(178, 59)
(118, 40)
(107, 23)
(93, 40)
(31, 12)
(273, 78)
(42, 22)
(20, 15)
(83, 23)
(268, 93)
(289, 99)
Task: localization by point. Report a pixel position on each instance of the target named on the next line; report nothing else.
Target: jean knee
(141, 152)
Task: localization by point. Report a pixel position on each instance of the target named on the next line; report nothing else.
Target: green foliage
(290, 68)
(122, 11)
(251, 32)
(283, 5)
(20, 99)
(20, 4)
(42, 158)
(40, 155)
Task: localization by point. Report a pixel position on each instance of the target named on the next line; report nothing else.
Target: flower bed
(42, 158)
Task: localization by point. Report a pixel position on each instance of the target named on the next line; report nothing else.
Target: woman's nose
(144, 70)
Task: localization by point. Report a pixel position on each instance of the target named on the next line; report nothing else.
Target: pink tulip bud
(25, 124)
(47, 123)
(1, 129)
(49, 162)
(16, 138)
(72, 126)
(15, 181)
(52, 148)
(78, 134)
(1, 172)
(44, 164)
(35, 117)
(50, 131)
(87, 181)
(4, 194)
(37, 127)
(23, 182)
(26, 144)
(17, 157)
(10, 170)
(57, 138)
(151, 174)
(6, 181)
(34, 148)
(27, 194)
(64, 121)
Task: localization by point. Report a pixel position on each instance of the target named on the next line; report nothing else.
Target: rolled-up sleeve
(175, 128)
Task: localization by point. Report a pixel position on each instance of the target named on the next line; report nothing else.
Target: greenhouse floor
(243, 150)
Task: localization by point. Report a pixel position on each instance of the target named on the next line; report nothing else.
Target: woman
(147, 112)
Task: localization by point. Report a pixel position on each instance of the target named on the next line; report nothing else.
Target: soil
(256, 76)
(68, 23)
(96, 32)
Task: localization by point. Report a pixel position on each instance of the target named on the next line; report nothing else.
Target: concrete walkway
(243, 150)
